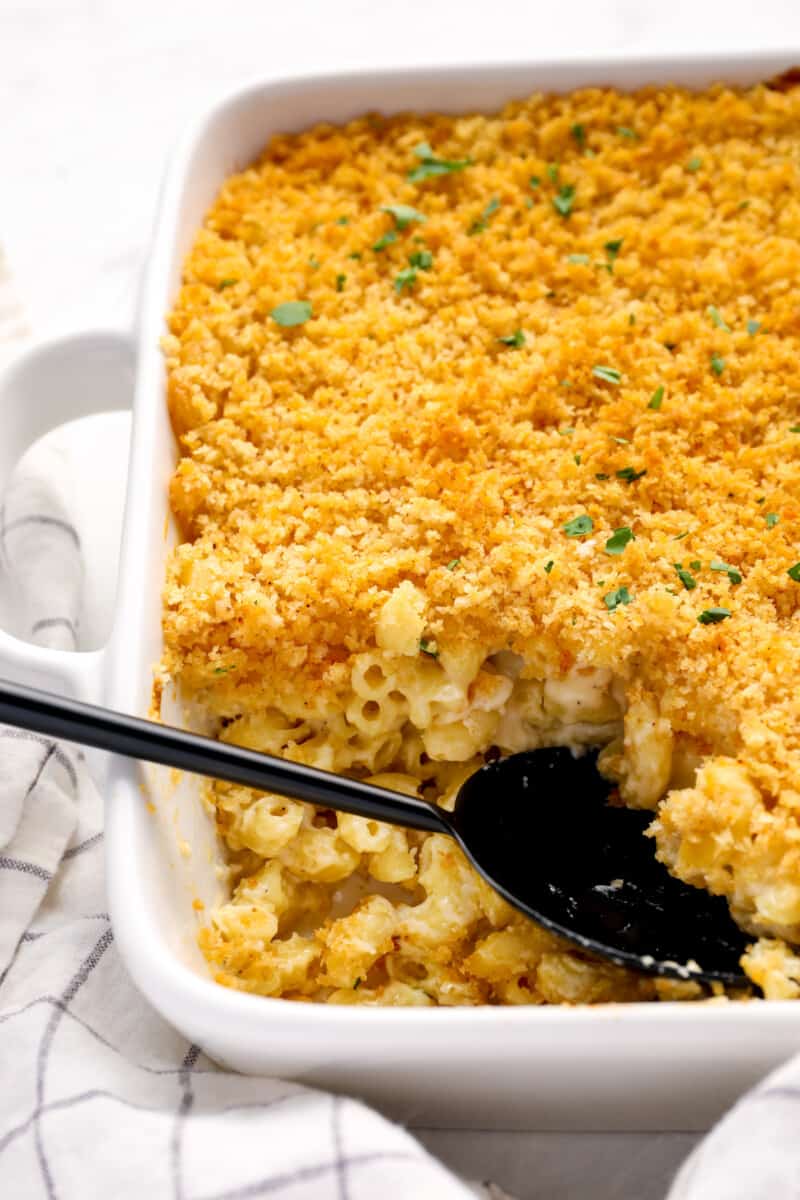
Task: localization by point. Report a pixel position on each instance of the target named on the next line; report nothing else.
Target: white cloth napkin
(100, 1096)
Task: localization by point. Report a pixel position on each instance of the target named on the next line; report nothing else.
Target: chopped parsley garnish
(631, 318)
(549, 566)
(552, 172)
(564, 200)
(625, 132)
(385, 240)
(454, 562)
(579, 526)
(717, 318)
(342, 220)
(629, 474)
(355, 254)
(656, 398)
(577, 459)
(422, 259)
(717, 364)
(403, 214)
(753, 327)
(607, 374)
(620, 595)
(314, 262)
(685, 577)
(695, 564)
(771, 520)
(515, 339)
(579, 133)
(602, 475)
(680, 536)
(621, 441)
(612, 249)
(224, 283)
(534, 181)
(357, 983)
(619, 540)
(430, 166)
(794, 572)
(482, 222)
(428, 646)
(340, 282)
(734, 575)
(222, 670)
(567, 431)
(713, 616)
(405, 278)
(293, 312)
(694, 164)
(583, 259)
(794, 429)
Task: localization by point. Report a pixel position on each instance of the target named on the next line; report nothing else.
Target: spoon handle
(60, 717)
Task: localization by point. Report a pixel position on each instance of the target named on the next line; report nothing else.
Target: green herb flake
(621, 441)
(717, 364)
(620, 595)
(567, 431)
(582, 259)
(428, 646)
(772, 520)
(405, 278)
(625, 132)
(356, 254)
(222, 670)
(342, 220)
(579, 526)
(579, 133)
(430, 167)
(694, 164)
(314, 262)
(403, 215)
(794, 572)
(482, 222)
(612, 249)
(357, 983)
(226, 283)
(656, 398)
(632, 318)
(564, 200)
(422, 259)
(680, 536)
(713, 616)
(602, 475)
(619, 540)
(340, 282)
(794, 429)
(629, 474)
(384, 241)
(549, 566)
(552, 172)
(695, 564)
(753, 327)
(534, 181)
(688, 580)
(577, 459)
(454, 562)
(717, 564)
(607, 374)
(293, 312)
(529, 201)
(717, 318)
(515, 339)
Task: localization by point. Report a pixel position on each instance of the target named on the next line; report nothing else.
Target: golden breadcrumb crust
(394, 435)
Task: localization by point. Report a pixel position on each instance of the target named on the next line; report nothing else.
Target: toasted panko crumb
(395, 433)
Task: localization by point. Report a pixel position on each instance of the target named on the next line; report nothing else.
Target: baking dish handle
(48, 385)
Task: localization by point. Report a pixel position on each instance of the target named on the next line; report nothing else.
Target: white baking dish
(638, 1066)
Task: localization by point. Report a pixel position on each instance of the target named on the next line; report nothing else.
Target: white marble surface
(92, 94)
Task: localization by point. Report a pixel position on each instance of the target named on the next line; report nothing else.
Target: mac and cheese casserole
(490, 439)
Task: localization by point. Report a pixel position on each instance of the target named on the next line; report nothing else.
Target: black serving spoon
(536, 825)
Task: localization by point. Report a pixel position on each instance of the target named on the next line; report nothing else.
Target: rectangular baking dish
(657, 1066)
